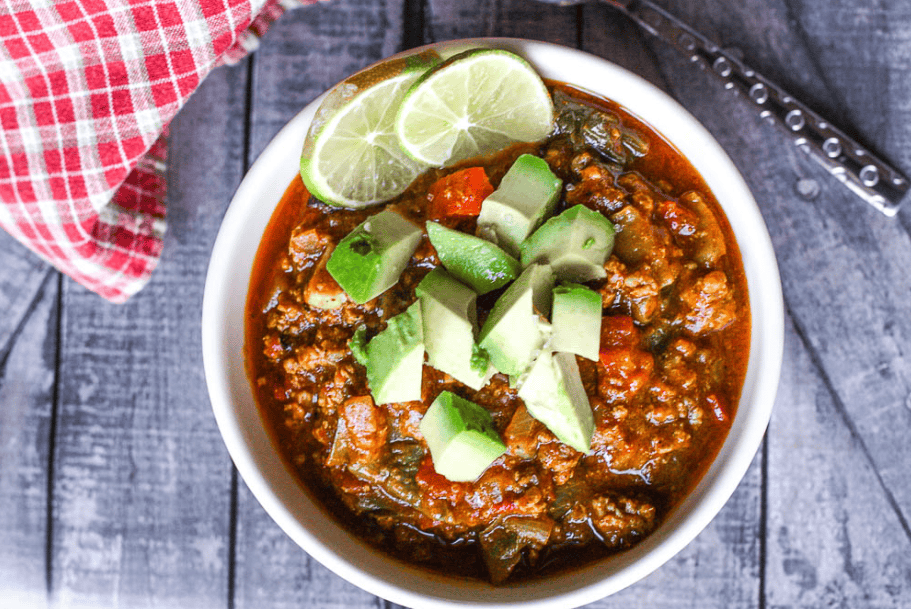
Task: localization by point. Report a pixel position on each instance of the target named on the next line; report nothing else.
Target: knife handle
(867, 175)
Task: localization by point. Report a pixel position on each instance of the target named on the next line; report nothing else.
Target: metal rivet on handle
(722, 67)
(869, 175)
(759, 93)
(795, 120)
(832, 147)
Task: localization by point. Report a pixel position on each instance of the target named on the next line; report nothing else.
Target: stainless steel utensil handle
(871, 178)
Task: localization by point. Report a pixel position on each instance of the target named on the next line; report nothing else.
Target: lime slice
(351, 156)
(474, 103)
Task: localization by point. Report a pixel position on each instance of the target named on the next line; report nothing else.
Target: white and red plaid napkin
(87, 89)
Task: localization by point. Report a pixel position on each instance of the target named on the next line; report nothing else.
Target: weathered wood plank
(26, 408)
(608, 34)
(23, 273)
(142, 487)
(273, 572)
(303, 55)
(834, 540)
(450, 19)
(847, 60)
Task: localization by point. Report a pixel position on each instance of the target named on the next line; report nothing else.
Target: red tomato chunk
(460, 193)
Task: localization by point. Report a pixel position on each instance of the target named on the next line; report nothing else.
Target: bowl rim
(307, 523)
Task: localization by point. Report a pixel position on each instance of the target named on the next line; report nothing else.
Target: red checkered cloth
(87, 89)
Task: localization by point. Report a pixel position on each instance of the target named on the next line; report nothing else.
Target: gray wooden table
(116, 489)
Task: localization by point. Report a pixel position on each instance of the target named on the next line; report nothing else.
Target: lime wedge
(473, 104)
(352, 156)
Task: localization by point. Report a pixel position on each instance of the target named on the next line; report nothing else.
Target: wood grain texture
(142, 485)
(842, 58)
(833, 538)
(861, 51)
(273, 572)
(609, 34)
(26, 410)
(450, 19)
(23, 274)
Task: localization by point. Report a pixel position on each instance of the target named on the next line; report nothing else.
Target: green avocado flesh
(576, 320)
(553, 394)
(358, 345)
(370, 259)
(449, 310)
(576, 243)
(527, 195)
(395, 358)
(475, 262)
(461, 438)
(515, 330)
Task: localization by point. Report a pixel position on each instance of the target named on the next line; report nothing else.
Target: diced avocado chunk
(475, 262)
(526, 196)
(448, 308)
(515, 331)
(576, 243)
(395, 358)
(576, 320)
(461, 438)
(358, 345)
(553, 394)
(369, 260)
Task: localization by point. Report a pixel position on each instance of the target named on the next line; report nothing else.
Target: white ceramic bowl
(307, 523)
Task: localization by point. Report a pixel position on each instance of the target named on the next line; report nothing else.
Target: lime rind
(472, 104)
(351, 155)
